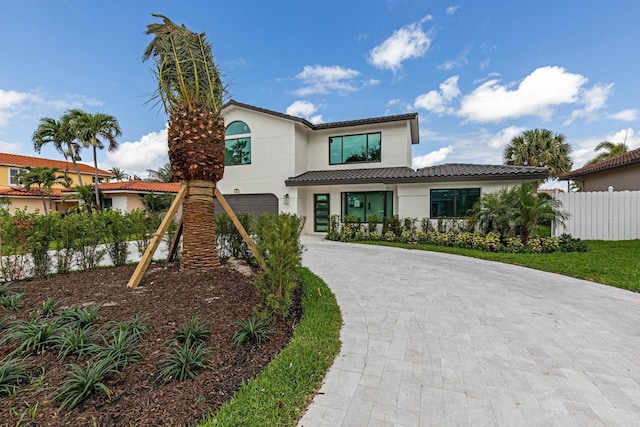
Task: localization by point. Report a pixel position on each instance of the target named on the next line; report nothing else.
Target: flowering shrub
(452, 236)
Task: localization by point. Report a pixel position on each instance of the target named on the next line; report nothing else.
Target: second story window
(13, 175)
(365, 147)
(237, 144)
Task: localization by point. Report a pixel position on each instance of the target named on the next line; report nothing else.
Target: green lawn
(612, 263)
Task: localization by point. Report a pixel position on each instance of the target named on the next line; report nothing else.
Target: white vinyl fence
(602, 215)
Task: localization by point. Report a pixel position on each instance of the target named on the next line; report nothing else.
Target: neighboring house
(282, 163)
(12, 164)
(621, 172)
(129, 195)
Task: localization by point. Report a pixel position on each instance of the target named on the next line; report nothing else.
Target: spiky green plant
(79, 316)
(81, 382)
(12, 373)
(121, 343)
(183, 361)
(11, 302)
(30, 336)
(255, 330)
(79, 341)
(48, 309)
(192, 332)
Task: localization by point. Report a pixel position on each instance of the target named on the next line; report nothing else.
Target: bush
(278, 240)
(255, 330)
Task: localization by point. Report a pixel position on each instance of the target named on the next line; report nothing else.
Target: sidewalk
(433, 339)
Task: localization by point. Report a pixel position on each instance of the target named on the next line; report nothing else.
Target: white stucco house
(281, 163)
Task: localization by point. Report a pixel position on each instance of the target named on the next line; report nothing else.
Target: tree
(491, 213)
(542, 148)
(43, 178)
(190, 90)
(118, 174)
(162, 174)
(58, 133)
(532, 209)
(611, 150)
(92, 129)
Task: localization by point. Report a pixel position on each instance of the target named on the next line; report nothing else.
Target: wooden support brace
(157, 238)
(173, 247)
(243, 232)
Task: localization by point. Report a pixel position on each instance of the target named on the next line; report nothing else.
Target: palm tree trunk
(198, 220)
(95, 183)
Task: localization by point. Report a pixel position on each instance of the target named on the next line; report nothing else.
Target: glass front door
(321, 212)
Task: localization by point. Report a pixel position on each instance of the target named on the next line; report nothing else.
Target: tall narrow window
(237, 150)
(13, 175)
(355, 148)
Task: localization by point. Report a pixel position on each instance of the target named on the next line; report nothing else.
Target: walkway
(440, 340)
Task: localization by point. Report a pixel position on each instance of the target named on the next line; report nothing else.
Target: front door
(321, 213)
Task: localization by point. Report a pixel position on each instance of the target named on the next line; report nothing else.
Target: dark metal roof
(624, 159)
(411, 117)
(351, 176)
(468, 172)
(441, 173)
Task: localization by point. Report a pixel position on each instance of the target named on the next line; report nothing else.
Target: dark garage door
(250, 203)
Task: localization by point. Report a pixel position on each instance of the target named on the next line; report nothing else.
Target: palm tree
(118, 174)
(162, 174)
(191, 92)
(43, 178)
(542, 148)
(611, 150)
(491, 213)
(58, 133)
(91, 129)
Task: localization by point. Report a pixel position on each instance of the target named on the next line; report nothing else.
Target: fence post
(610, 214)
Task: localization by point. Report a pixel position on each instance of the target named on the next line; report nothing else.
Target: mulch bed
(167, 299)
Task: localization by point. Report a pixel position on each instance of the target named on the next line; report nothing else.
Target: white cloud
(10, 102)
(625, 115)
(409, 42)
(432, 158)
(304, 109)
(150, 152)
(439, 101)
(584, 149)
(9, 147)
(536, 95)
(321, 79)
(451, 10)
(502, 138)
(593, 99)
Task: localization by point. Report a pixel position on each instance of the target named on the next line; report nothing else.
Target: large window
(364, 204)
(355, 148)
(237, 150)
(453, 203)
(13, 175)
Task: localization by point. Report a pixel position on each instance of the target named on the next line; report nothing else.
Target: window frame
(236, 138)
(455, 191)
(13, 181)
(387, 203)
(367, 135)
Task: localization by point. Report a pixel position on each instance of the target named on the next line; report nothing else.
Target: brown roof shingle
(624, 159)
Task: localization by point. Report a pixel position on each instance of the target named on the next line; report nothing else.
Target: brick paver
(434, 339)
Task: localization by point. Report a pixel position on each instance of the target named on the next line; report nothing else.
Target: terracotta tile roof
(22, 192)
(468, 172)
(141, 186)
(19, 161)
(625, 159)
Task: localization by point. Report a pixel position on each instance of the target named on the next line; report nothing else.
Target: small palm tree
(58, 133)
(531, 209)
(611, 150)
(542, 148)
(118, 174)
(190, 90)
(92, 129)
(491, 213)
(162, 174)
(43, 178)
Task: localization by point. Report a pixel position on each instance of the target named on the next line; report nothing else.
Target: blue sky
(478, 73)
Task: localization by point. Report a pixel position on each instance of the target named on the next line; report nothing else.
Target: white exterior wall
(396, 146)
(273, 152)
(120, 203)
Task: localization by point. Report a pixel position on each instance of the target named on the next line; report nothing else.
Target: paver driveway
(433, 339)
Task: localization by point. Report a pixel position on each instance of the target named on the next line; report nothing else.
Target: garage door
(250, 203)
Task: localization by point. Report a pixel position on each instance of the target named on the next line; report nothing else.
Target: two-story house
(12, 164)
(281, 163)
